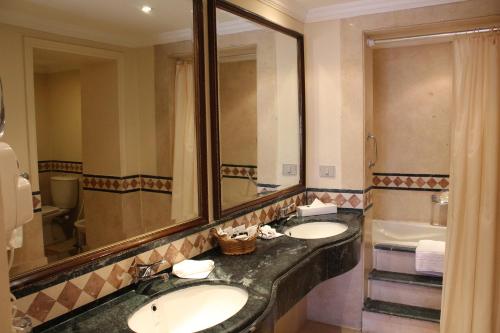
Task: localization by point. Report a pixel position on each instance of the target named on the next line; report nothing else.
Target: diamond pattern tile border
(127, 184)
(238, 171)
(59, 299)
(427, 182)
(156, 184)
(341, 199)
(60, 166)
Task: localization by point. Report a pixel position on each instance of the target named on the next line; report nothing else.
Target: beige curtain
(471, 297)
(185, 183)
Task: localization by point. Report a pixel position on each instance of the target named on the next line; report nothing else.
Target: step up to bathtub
(408, 289)
(394, 258)
(395, 247)
(388, 317)
(413, 279)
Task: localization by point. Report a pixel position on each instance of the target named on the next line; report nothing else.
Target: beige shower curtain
(471, 297)
(185, 183)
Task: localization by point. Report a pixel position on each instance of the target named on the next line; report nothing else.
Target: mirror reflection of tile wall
(258, 109)
(113, 112)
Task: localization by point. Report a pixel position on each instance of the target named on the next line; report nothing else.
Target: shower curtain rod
(374, 42)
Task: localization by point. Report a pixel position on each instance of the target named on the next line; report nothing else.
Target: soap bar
(328, 208)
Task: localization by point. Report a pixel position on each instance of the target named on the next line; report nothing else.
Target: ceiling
(114, 15)
(118, 21)
(121, 22)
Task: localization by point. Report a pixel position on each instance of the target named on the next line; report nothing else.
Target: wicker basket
(234, 247)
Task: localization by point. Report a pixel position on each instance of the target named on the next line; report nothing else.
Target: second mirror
(259, 108)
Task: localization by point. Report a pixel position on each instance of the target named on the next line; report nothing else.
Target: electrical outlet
(289, 169)
(327, 171)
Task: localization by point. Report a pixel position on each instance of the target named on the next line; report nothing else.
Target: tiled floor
(315, 327)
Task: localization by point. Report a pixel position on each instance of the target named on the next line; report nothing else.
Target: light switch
(327, 171)
(289, 169)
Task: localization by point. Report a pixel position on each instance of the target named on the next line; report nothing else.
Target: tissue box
(310, 210)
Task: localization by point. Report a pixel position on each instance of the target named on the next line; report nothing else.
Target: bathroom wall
(59, 128)
(412, 114)
(238, 105)
(102, 155)
(58, 125)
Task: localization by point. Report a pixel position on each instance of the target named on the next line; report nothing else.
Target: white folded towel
(317, 207)
(266, 232)
(193, 269)
(429, 257)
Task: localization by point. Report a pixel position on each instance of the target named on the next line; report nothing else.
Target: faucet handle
(282, 212)
(144, 270)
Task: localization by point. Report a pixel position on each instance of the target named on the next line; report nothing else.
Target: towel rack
(2, 111)
(372, 138)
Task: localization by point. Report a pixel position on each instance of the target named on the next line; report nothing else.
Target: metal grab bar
(2, 111)
(372, 163)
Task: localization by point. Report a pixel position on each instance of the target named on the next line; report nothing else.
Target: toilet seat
(49, 210)
(54, 211)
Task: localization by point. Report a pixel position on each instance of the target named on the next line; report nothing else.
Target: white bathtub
(404, 232)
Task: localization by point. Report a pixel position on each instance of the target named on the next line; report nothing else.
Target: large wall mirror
(105, 108)
(257, 108)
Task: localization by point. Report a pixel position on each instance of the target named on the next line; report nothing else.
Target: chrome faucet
(146, 272)
(282, 212)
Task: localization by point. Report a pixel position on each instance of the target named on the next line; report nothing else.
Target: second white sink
(189, 310)
(316, 230)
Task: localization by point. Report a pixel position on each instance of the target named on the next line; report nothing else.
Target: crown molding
(366, 7)
(23, 20)
(174, 36)
(290, 8)
(236, 26)
(237, 58)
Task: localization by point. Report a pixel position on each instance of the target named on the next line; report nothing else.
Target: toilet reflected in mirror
(59, 218)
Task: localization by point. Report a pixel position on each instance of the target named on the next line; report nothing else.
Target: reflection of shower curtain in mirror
(185, 183)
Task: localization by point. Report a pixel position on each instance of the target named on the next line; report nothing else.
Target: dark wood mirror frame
(30, 277)
(214, 107)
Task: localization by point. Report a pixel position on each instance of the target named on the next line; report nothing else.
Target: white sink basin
(315, 230)
(189, 310)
